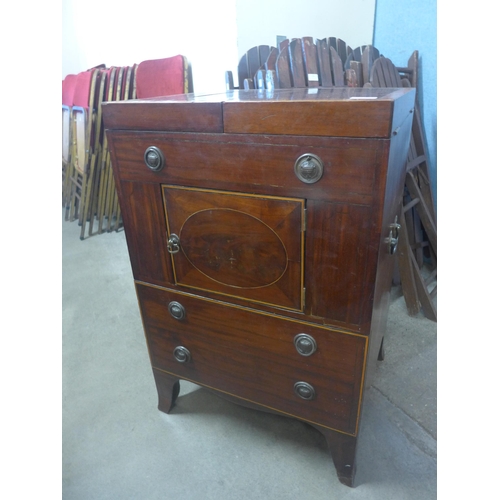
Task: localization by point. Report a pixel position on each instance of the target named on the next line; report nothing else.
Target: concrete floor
(117, 445)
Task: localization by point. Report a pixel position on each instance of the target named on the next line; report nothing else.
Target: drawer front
(258, 164)
(255, 356)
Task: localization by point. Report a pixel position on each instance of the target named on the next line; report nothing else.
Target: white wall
(259, 22)
(211, 34)
(204, 32)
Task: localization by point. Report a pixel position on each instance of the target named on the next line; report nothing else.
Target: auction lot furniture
(261, 227)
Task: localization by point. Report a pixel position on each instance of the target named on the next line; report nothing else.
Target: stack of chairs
(330, 62)
(89, 191)
(297, 63)
(82, 117)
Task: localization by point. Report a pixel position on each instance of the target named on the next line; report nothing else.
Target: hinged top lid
(338, 112)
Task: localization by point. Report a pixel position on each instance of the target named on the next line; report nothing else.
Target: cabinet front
(229, 217)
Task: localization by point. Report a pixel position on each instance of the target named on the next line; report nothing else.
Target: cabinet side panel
(146, 232)
(394, 185)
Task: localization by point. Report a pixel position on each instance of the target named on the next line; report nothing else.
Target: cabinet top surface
(339, 111)
(294, 94)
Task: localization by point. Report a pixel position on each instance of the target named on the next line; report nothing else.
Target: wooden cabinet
(261, 228)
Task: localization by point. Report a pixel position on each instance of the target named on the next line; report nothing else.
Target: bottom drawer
(303, 370)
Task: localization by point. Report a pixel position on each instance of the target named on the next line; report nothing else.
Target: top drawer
(254, 163)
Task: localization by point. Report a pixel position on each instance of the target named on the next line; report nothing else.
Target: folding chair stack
(89, 192)
(82, 118)
(297, 63)
(104, 207)
(330, 62)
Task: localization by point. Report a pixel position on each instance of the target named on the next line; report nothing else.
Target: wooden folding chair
(105, 162)
(93, 173)
(303, 63)
(253, 60)
(358, 63)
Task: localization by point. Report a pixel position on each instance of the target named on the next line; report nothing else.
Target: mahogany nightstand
(261, 228)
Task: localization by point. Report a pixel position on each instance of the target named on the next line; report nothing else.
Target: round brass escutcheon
(176, 310)
(182, 355)
(304, 391)
(154, 159)
(305, 344)
(309, 168)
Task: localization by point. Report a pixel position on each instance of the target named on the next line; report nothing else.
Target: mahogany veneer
(261, 229)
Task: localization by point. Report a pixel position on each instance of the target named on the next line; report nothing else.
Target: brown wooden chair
(252, 61)
(303, 63)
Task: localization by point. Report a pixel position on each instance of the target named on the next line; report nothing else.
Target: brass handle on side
(393, 238)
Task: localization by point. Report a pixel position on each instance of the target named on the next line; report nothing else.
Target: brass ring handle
(177, 310)
(154, 159)
(309, 168)
(305, 344)
(182, 355)
(304, 391)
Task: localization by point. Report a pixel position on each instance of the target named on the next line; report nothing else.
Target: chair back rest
(68, 89)
(83, 85)
(161, 77)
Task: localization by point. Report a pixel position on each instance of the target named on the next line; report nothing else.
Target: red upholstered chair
(161, 77)
(68, 91)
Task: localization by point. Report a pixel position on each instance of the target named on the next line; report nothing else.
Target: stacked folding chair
(68, 92)
(297, 63)
(82, 118)
(104, 208)
(89, 193)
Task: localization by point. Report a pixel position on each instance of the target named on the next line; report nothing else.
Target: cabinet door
(238, 245)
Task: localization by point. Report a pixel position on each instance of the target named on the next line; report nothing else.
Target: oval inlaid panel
(233, 248)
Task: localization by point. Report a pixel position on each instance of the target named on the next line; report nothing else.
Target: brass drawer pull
(304, 391)
(309, 168)
(154, 159)
(305, 344)
(182, 355)
(176, 310)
